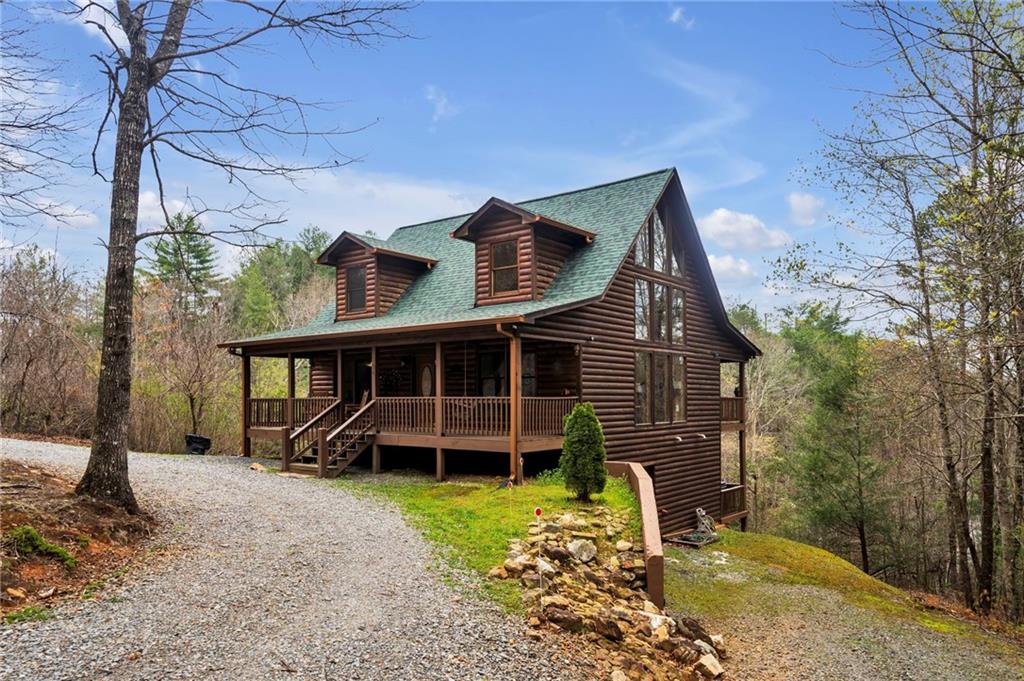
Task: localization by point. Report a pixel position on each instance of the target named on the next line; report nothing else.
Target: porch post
(373, 372)
(246, 406)
(290, 416)
(515, 395)
(286, 449)
(375, 454)
(337, 377)
(438, 408)
(742, 433)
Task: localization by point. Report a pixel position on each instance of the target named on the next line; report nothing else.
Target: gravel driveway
(277, 579)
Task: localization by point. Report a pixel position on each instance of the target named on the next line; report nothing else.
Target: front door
(356, 376)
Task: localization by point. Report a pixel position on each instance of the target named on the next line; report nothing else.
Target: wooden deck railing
(487, 416)
(546, 415)
(268, 412)
(405, 415)
(306, 408)
(305, 436)
(734, 499)
(732, 409)
(475, 416)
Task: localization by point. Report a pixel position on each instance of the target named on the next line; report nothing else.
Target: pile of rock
(582, 574)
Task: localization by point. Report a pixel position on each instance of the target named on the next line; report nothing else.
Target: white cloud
(679, 18)
(740, 231)
(443, 107)
(730, 269)
(150, 212)
(98, 19)
(805, 209)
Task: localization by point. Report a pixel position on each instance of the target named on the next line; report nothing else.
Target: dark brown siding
(686, 455)
(355, 258)
(322, 375)
(551, 255)
(504, 229)
(394, 275)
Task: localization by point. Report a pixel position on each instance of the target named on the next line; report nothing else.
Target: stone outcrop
(583, 574)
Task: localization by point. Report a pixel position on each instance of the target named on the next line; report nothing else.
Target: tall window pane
(675, 262)
(661, 394)
(504, 267)
(678, 388)
(642, 392)
(643, 247)
(642, 305)
(355, 289)
(659, 245)
(678, 316)
(659, 323)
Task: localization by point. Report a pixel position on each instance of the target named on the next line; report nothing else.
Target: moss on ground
(470, 521)
(30, 613)
(27, 540)
(695, 582)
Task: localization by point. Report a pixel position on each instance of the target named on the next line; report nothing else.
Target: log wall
(685, 456)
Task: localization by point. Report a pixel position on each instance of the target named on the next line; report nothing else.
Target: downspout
(515, 470)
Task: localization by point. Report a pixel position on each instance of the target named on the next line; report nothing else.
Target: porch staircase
(329, 443)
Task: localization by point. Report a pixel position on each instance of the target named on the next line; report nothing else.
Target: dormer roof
(484, 213)
(371, 245)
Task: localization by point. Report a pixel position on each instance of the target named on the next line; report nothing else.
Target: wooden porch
(732, 414)
(501, 395)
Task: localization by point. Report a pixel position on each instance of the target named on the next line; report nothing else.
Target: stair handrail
(316, 419)
(334, 433)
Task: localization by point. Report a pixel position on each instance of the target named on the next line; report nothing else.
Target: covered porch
(499, 394)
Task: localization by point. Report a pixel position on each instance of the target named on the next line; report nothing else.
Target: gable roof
(528, 218)
(372, 244)
(446, 294)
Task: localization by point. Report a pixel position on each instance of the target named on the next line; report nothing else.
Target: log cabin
(473, 336)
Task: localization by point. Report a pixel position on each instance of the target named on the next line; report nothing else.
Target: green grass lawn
(770, 559)
(470, 522)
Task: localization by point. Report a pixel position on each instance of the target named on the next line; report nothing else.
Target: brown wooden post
(438, 388)
(742, 433)
(246, 406)
(375, 454)
(515, 396)
(286, 449)
(373, 373)
(337, 377)
(438, 410)
(290, 416)
(321, 452)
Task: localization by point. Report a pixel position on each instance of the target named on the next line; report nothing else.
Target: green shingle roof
(614, 212)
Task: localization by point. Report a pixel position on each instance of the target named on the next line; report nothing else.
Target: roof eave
(386, 330)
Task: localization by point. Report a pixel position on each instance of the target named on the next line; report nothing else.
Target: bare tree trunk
(106, 476)
(987, 466)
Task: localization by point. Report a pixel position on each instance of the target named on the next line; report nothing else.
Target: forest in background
(887, 414)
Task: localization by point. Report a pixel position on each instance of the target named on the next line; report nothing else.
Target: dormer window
(355, 289)
(518, 252)
(504, 267)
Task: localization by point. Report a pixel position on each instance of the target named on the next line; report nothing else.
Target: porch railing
(732, 409)
(268, 412)
(405, 415)
(546, 415)
(734, 499)
(461, 416)
(486, 416)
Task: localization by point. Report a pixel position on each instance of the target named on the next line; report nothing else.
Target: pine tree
(837, 462)
(185, 261)
(583, 454)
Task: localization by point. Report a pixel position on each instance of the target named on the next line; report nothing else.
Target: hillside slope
(792, 611)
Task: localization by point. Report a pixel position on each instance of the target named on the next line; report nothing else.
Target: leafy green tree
(837, 463)
(186, 262)
(583, 454)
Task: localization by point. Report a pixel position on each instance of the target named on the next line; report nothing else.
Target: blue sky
(524, 99)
